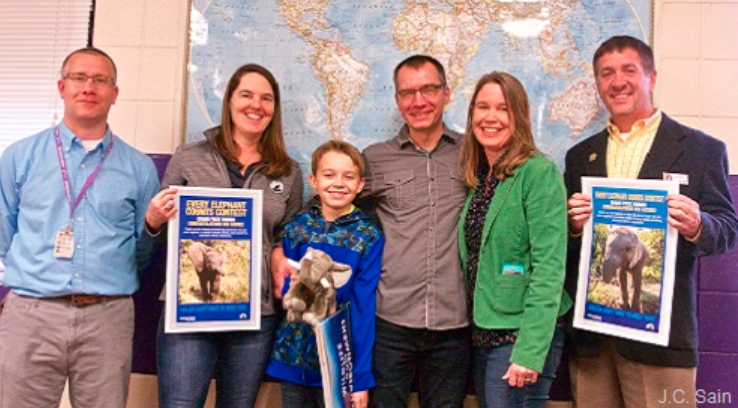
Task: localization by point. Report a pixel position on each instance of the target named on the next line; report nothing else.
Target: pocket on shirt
(117, 212)
(116, 203)
(400, 189)
(510, 293)
(455, 186)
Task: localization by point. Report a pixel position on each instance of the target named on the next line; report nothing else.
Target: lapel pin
(592, 157)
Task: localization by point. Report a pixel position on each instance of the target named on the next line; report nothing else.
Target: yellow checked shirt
(625, 155)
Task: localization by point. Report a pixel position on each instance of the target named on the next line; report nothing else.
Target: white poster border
(253, 320)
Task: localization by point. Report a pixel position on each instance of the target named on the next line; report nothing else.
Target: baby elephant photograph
(627, 261)
(209, 265)
(214, 271)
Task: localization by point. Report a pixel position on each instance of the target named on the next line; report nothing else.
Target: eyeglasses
(81, 79)
(426, 90)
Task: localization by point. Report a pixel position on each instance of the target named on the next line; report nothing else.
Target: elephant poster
(214, 261)
(626, 271)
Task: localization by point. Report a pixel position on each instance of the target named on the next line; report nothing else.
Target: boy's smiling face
(337, 182)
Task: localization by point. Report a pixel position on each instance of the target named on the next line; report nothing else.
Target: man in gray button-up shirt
(417, 193)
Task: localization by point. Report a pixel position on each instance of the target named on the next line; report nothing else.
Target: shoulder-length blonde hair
(271, 145)
(521, 146)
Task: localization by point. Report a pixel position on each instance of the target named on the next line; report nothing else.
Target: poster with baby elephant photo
(628, 254)
(214, 261)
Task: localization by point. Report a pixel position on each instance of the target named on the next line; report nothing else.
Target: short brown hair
(91, 51)
(522, 146)
(341, 147)
(621, 42)
(271, 145)
(417, 61)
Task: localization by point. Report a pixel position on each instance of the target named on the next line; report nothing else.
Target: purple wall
(148, 306)
(717, 302)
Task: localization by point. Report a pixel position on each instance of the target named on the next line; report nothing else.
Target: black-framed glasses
(79, 78)
(428, 91)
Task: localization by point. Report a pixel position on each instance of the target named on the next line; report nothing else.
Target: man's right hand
(580, 209)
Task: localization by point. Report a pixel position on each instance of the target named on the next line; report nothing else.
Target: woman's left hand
(360, 399)
(519, 376)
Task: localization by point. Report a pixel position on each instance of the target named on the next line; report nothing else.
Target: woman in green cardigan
(512, 235)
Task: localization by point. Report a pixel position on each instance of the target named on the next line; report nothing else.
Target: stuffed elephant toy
(313, 297)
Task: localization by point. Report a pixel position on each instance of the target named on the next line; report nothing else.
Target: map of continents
(334, 60)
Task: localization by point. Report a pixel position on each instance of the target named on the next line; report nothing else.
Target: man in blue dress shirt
(72, 205)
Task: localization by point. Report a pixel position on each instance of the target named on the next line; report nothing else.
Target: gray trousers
(44, 342)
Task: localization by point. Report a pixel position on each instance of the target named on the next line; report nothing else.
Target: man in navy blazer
(642, 142)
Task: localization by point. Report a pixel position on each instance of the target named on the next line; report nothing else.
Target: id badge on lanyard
(64, 244)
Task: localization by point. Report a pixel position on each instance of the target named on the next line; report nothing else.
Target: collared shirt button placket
(431, 170)
(77, 219)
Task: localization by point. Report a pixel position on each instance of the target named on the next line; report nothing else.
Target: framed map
(334, 60)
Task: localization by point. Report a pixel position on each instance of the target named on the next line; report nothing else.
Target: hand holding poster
(626, 268)
(214, 261)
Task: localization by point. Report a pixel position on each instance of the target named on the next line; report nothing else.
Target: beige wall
(696, 44)
(147, 40)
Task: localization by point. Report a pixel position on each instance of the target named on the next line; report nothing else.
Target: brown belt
(82, 300)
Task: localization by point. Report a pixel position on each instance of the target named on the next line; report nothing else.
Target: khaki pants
(609, 380)
(44, 342)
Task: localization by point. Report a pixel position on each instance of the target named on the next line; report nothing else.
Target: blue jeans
(301, 396)
(186, 362)
(441, 359)
(490, 364)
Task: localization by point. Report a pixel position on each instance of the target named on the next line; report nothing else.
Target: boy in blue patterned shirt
(345, 233)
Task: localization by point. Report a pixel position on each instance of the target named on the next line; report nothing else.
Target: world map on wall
(334, 60)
